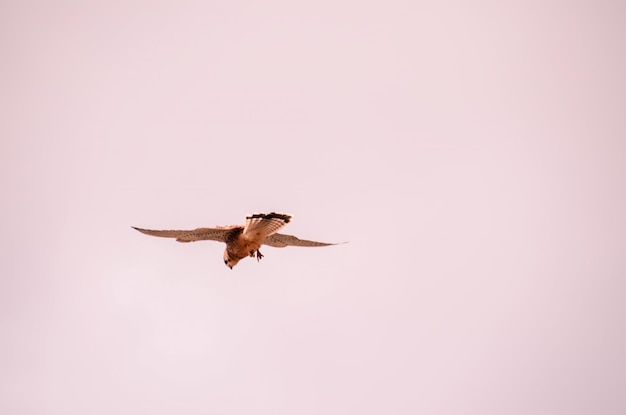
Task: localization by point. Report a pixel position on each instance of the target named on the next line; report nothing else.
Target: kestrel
(242, 241)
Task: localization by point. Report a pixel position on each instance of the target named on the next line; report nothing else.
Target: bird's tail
(268, 223)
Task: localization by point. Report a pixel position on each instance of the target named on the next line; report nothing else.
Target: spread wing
(200, 234)
(279, 240)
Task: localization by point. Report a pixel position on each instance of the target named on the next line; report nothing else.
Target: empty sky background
(473, 153)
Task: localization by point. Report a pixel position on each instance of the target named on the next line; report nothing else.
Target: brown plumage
(241, 241)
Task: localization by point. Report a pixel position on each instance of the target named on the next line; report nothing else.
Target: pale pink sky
(473, 153)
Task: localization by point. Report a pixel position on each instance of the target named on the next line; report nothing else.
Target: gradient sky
(473, 153)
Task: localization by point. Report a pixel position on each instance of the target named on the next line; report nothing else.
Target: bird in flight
(242, 241)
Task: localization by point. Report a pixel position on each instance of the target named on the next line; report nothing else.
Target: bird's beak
(230, 267)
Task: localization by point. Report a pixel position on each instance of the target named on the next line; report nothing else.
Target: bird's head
(228, 261)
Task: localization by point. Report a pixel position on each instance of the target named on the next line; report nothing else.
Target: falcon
(241, 241)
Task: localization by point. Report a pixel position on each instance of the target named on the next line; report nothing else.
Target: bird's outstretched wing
(279, 240)
(200, 234)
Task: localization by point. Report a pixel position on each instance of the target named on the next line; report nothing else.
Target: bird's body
(241, 241)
